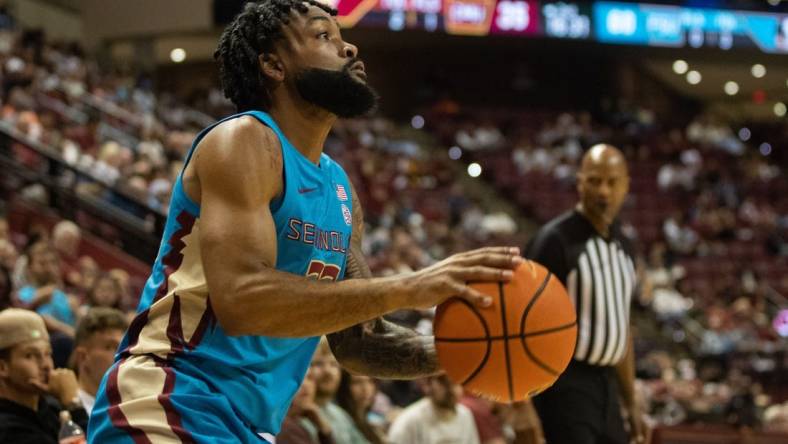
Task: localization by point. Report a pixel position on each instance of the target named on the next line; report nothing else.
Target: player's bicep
(237, 171)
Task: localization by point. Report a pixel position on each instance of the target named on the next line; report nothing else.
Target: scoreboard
(602, 21)
(643, 24)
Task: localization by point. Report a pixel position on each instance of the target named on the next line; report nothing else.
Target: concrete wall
(114, 19)
(59, 23)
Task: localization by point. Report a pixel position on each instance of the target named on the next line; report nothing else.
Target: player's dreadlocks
(252, 33)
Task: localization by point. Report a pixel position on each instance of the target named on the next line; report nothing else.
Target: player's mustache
(351, 62)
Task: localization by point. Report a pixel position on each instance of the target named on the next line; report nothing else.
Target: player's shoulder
(243, 141)
(332, 165)
(241, 129)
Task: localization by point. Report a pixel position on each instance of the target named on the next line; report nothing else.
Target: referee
(585, 249)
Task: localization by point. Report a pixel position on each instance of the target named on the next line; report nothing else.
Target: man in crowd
(325, 372)
(436, 418)
(98, 335)
(44, 293)
(32, 394)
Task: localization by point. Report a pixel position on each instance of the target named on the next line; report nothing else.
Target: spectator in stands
(487, 423)
(106, 292)
(88, 272)
(66, 238)
(304, 424)
(99, 333)
(44, 292)
(123, 280)
(356, 395)
(523, 421)
(32, 394)
(681, 238)
(8, 254)
(87, 136)
(438, 417)
(325, 371)
(775, 418)
(5, 239)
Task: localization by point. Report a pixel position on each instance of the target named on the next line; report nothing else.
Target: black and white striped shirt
(599, 275)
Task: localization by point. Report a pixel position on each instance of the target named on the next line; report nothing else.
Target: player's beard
(337, 91)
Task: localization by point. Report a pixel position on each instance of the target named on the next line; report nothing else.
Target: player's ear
(271, 66)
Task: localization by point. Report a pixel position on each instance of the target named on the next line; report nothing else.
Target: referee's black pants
(582, 407)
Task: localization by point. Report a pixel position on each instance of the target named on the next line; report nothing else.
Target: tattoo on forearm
(385, 350)
(379, 347)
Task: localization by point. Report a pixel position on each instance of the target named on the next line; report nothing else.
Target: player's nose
(350, 50)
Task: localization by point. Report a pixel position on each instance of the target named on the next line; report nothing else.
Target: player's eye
(323, 35)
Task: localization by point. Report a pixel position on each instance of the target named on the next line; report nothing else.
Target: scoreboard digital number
(567, 20)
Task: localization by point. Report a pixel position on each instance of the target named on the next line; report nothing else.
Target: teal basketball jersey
(182, 355)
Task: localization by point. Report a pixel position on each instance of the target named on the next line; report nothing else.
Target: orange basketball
(515, 348)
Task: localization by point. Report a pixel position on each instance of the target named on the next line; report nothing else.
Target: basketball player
(261, 224)
(585, 249)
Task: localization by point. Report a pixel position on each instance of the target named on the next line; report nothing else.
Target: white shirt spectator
(87, 400)
(421, 423)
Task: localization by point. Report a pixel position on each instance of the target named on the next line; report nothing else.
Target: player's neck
(305, 126)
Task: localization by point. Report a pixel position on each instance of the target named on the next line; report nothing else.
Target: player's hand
(449, 277)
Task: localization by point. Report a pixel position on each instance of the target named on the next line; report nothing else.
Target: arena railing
(107, 107)
(133, 120)
(139, 232)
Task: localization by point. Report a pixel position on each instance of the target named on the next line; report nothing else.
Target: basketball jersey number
(321, 270)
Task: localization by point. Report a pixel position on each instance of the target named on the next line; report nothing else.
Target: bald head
(604, 155)
(603, 183)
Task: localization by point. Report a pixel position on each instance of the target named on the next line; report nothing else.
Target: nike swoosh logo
(306, 190)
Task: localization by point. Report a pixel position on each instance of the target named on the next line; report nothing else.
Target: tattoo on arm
(378, 347)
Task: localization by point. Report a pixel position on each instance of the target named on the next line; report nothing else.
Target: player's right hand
(450, 277)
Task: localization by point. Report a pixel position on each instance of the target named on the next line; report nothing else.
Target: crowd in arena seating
(707, 209)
